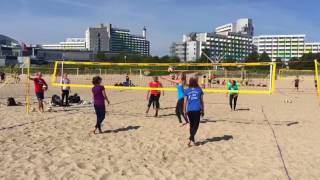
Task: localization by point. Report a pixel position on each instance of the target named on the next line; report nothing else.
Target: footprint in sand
(104, 177)
(81, 165)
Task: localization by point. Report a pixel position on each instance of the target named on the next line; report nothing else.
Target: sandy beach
(266, 138)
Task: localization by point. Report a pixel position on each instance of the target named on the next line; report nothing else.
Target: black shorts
(154, 99)
(40, 95)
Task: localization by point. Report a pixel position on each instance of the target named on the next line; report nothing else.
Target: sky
(51, 21)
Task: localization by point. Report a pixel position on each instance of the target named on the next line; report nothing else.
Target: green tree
(203, 58)
(101, 56)
(306, 61)
(264, 57)
(280, 64)
(229, 60)
(253, 57)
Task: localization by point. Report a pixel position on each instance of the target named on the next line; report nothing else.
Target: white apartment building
(69, 44)
(106, 38)
(193, 50)
(178, 50)
(243, 26)
(285, 47)
(230, 41)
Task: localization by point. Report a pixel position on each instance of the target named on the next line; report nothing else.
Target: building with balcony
(285, 47)
(230, 41)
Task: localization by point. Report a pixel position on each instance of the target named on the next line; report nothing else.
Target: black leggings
(194, 118)
(154, 100)
(233, 97)
(179, 110)
(101, 113)
(65, 95)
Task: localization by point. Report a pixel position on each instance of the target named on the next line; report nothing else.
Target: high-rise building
(109, 38)
(106, 38)
(122, 41)
(98, 38)
(243, 26)
(178, 50)
(69, 44)
(285, 47)
(230, 41)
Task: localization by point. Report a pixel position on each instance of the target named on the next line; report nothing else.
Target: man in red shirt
(40, 86)
(154, 95)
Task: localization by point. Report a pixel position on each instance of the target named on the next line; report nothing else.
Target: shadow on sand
(122, 129)
(215, 139)
(165, 115)
(167, 108)
(243, 121)
(243, 109)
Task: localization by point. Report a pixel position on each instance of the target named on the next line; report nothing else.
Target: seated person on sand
(127, 78)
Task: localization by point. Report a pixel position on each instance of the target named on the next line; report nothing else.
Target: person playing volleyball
(233, 96)
(296, 82)
(153, 96)
(181, 82)
(193, 107)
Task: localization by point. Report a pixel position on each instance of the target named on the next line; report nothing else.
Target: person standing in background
(40, 86)
(99, 98)
(2, 77)
(65, 89)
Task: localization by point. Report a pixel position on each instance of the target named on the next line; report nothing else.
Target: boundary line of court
(276, 141)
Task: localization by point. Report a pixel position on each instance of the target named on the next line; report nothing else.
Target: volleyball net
(291, 74)
(254, 78)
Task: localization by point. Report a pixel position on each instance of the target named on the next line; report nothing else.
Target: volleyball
(146, 73)
(170, 69)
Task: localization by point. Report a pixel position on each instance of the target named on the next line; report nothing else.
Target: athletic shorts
(40, 95)
(154, 99)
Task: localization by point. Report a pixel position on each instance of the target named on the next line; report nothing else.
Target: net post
(53, 79)
(274, 68)
(62, 69)
(270, 78)
(28, 87)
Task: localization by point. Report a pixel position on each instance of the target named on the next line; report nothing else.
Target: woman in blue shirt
(181, 82)
(233, 96)
(193, 107)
